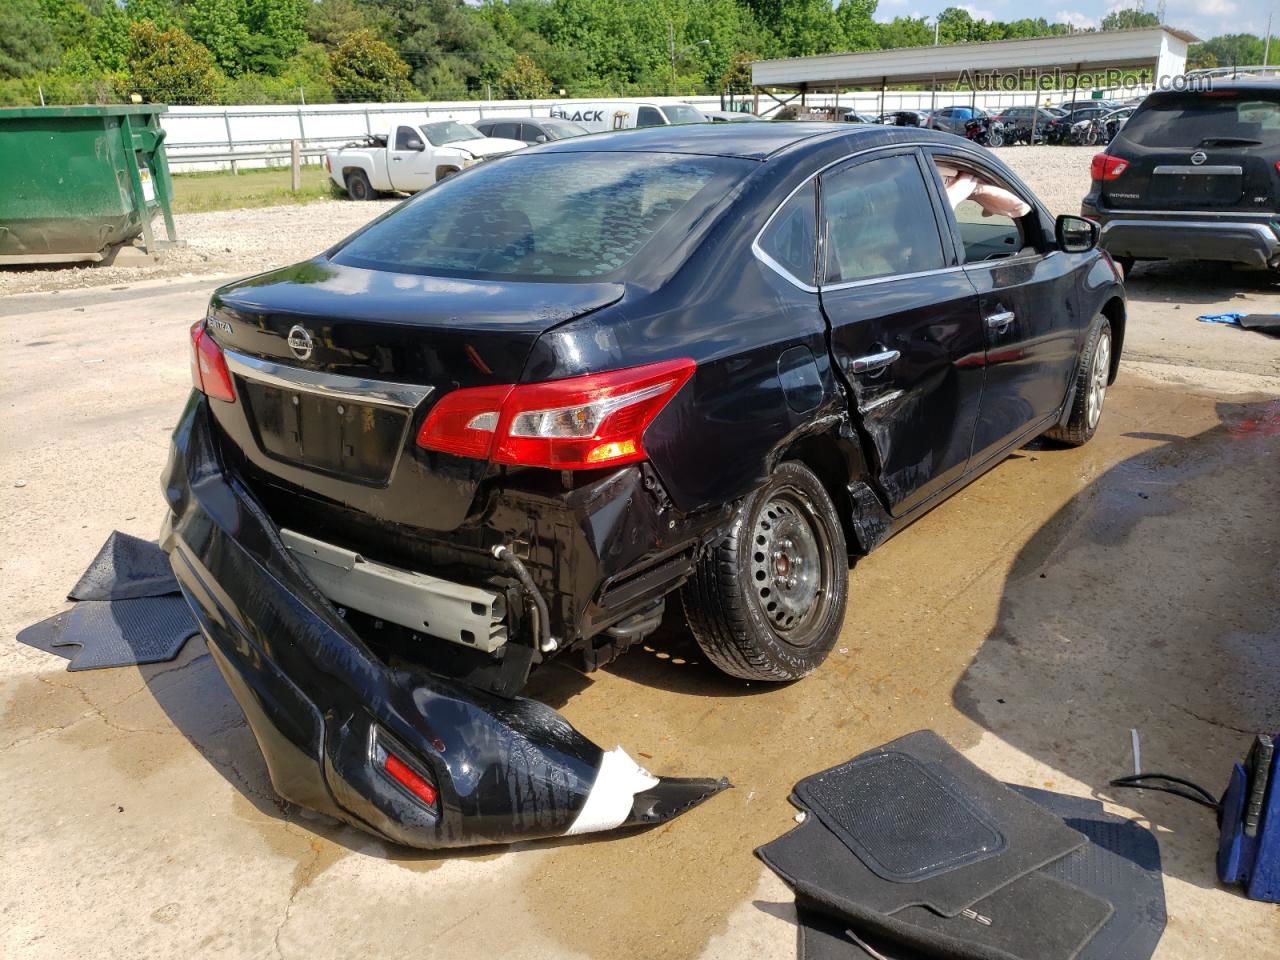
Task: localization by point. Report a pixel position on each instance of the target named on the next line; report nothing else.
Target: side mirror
(415, 144)
(540, 138)
(1075, 234)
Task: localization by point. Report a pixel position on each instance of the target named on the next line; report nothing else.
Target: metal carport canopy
(1160, 48)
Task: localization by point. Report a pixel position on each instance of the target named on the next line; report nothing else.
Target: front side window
(449, 131)
(878, 221)
(989, 215)
(406, 136)
(791, 239)
(649, 117)
(506, 131)
(550, 216)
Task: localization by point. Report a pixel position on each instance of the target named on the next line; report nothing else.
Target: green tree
(329, 21)
(857, 24)
(524, 80)
(1229, 50)
(905, 32)
(167, 66)
(27, 42)
(1129, 20)
(362, 67)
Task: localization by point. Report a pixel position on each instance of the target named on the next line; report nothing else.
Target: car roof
(752, 141)
(1260, 84)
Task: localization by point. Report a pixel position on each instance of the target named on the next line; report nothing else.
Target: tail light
(410, 779)
(1106, 167)
(209, 371)
(581, 423)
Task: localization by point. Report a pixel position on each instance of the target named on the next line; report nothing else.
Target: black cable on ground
(1167, 783)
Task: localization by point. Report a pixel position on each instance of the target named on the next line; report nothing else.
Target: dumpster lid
(83, 110)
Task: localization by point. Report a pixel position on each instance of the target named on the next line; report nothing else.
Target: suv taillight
(209, 371)
(1107, 167)
(582, 423)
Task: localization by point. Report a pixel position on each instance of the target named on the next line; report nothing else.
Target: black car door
(1027, 297)
(905, 331)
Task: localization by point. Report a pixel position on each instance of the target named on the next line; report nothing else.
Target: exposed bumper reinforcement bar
(323, 707)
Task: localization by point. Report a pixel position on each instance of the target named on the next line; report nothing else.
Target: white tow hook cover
(609, 803)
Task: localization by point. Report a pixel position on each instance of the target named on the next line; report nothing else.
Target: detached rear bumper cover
(1174, 238)
(323, 708)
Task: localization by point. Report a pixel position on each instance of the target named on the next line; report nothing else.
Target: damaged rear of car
(510, 419)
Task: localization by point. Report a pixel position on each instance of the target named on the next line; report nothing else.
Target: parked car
(530, 130)
(1017, 123)
(1193, 176)
(411, 158)
(514, 416)
(597, 116)
(826, 113)
(904, 118)
(955, 119)
(1071, 105)
(730, 116)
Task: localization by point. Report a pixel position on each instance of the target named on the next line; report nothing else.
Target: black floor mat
(1029, 836)
(1121, 864)
(45, 635)
(124, 569)
(121, 633)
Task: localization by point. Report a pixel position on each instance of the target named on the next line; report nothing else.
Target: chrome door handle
(874, 361)
(999, 322)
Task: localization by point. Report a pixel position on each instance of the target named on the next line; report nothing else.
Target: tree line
(317, 51)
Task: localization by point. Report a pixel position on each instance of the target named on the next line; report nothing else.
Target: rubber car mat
(1036, 917)
(121, 633)
(126, 568)
(1262, 323)
(1029, 836)
(1121, 864)
(45, 635)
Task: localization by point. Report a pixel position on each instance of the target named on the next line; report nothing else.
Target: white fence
(207, 138)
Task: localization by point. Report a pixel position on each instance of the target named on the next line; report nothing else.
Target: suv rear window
(552, 216)
(1189, 119)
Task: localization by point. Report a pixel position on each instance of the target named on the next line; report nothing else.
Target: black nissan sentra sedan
(516, 415)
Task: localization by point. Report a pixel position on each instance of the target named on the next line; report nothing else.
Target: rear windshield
(556, 216)
(1191, 119)
(682, 114)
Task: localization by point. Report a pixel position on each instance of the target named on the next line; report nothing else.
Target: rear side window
(505, 131)
(1190, 119)
(553, 216)
(649, 117)
(879, 221)
(791, 239)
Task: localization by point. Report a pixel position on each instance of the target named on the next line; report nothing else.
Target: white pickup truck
(411, 158)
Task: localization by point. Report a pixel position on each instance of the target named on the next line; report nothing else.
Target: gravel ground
(239, 242)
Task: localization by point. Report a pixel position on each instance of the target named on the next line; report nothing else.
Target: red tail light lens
(209, 371)
(581, 423)
(1106, 167)
(403, 774)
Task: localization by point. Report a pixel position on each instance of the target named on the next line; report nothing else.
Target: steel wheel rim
(1098, 378)
(790, 565)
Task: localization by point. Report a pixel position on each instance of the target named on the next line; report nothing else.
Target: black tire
(358, 186)
(751, 608)
(1092, 378)
(995, 138)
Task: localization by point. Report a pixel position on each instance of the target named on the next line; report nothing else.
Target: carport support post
(231, 144)
(884, 82)
(933, 97)
(295, 165)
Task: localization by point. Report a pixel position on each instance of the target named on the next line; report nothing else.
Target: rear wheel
(768, 603)
(358, 186)
(995, 138)
(1092, 376)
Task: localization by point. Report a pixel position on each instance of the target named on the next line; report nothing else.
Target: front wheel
(1093, 374)
(768, 603)
(995, 138)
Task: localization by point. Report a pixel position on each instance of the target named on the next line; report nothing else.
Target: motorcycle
(985, 130)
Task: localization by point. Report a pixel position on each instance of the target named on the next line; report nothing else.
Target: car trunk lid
(335, 368)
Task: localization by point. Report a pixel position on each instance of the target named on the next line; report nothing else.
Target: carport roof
(1075, 52)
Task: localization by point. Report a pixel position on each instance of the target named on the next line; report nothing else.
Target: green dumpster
(77, 183)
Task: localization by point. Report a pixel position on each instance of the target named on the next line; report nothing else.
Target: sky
(1205, 18)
